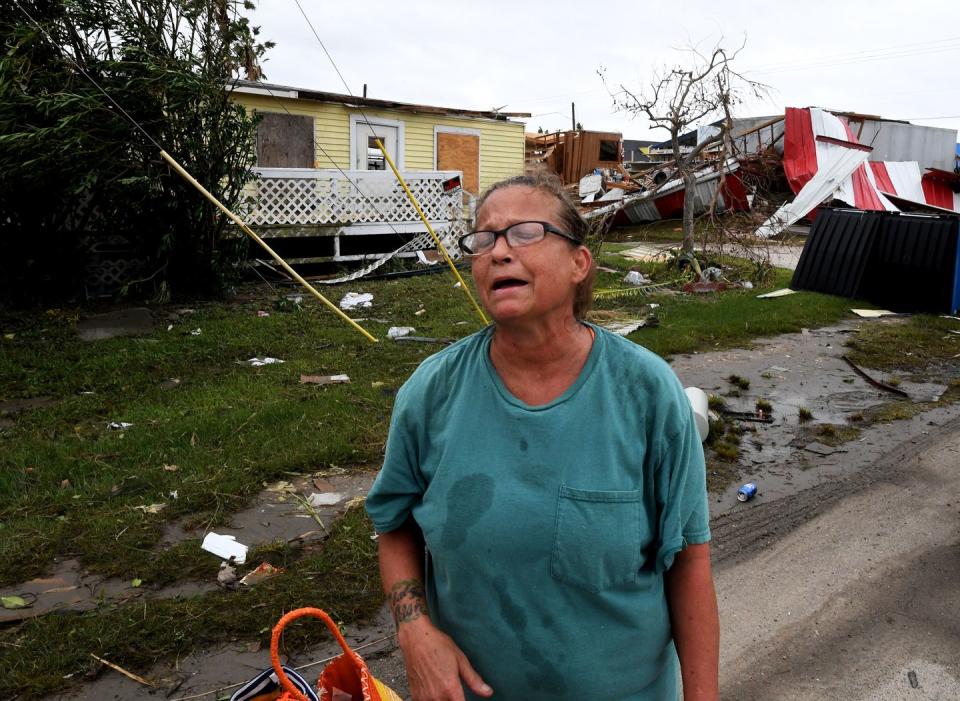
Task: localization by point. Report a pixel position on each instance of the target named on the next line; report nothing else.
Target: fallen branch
(876, 383)
(118, 668)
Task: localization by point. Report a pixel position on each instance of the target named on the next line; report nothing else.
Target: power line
(851, 54)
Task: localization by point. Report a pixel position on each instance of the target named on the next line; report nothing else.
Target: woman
(555, 475)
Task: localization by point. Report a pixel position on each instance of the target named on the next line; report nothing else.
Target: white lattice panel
(303, 197)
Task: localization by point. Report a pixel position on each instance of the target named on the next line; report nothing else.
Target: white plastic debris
(636, 278)
(323, 379)
(260, 362)
(118, 425)
(353, 300)
(399, 331)
(777, 293)
(225, 546)
(699, 404)
(324, 499)
(711, 274)
(196, 332)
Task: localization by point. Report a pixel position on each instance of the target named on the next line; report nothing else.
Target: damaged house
(324, 191)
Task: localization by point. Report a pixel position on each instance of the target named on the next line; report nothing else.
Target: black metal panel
(905, 262)
(836, 253)
(913, 265)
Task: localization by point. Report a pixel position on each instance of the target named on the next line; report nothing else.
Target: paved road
(849, 590)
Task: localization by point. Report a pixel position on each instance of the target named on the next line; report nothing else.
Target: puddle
(124, 322)
(803, 370)
(15, 406)
(275, 515)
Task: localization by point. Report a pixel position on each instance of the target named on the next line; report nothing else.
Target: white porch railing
(307, 202)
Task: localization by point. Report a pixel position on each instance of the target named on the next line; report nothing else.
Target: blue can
(747, 491)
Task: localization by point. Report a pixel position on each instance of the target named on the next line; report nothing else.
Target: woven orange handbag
(346, 678)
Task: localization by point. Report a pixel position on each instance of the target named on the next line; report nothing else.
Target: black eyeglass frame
(547, 229)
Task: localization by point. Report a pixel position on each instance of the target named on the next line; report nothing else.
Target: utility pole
(364, 89)
(573, 116)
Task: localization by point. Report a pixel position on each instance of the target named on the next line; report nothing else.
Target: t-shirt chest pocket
(599, 538)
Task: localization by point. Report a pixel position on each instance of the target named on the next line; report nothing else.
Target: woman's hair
(550, 184)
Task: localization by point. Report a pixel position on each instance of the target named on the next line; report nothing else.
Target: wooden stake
(249, 232)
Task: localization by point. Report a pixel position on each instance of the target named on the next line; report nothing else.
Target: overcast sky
(899, 59)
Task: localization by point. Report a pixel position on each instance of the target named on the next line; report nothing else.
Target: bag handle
(275, 645)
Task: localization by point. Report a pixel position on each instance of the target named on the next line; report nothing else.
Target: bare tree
(684, 97)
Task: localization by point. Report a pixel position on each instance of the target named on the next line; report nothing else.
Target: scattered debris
(282, 486)
(627, 327)
(225, 546)
(873, 313)
(151, 508)
(711, 274)
(912, 679)
(14, 602)
(196, 332)
(136, 582)
(118, 425)
(636, 278)
(117, 668)
(323, 379)
(324, 499)
(876, 383)
(777, 293)
(227, 576)
(424, 339)
(747, 491)
(420, 312)
(171, 468)
(396, 332)
(262, 313)
(263, 572)
(747, 416)
(170, 383)
(259, 362)
(353, 300)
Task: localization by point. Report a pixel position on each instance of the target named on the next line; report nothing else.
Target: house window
(609, 151)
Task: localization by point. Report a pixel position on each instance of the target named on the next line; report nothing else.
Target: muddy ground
(791, 371)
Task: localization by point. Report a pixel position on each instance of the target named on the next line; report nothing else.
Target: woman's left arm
(696, 624)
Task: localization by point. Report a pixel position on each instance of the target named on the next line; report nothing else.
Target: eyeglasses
(525, 233)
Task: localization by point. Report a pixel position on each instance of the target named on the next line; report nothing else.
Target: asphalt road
(849, 590)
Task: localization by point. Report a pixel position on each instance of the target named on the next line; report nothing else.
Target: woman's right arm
(435, 665)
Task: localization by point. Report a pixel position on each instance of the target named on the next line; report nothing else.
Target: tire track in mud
(739, 535)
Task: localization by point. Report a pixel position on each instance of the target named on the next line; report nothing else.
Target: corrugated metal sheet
(904, 262)
(931, 147)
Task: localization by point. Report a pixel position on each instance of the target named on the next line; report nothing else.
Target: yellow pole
(440, 246)
(249, 232)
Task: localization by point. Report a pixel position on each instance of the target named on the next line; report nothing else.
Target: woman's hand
(435, 665)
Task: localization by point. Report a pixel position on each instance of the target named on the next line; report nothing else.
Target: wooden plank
(460, 152)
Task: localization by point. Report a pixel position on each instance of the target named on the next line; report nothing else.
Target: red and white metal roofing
(823, 160)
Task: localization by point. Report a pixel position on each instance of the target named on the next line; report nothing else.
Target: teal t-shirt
(549, 528)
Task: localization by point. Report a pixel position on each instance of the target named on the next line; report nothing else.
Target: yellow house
(324, 192)
(312, 129)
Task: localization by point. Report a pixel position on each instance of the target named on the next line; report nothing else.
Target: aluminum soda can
(747, 491)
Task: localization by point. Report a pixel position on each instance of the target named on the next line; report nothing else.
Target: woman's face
(531, 283)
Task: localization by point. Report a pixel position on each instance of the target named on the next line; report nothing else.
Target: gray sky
(900, 59)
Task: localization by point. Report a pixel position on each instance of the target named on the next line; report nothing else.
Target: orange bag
(346, 677)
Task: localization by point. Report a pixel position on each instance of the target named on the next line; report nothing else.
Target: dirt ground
(840, 580)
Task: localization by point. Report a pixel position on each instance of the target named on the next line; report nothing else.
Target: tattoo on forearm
(407, 600)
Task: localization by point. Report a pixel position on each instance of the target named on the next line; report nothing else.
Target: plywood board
(285, 141)
(460, 152)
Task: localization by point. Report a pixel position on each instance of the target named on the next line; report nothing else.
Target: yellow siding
(501, 143)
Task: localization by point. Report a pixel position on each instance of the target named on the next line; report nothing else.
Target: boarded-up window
(460, 152)
(285, 141)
